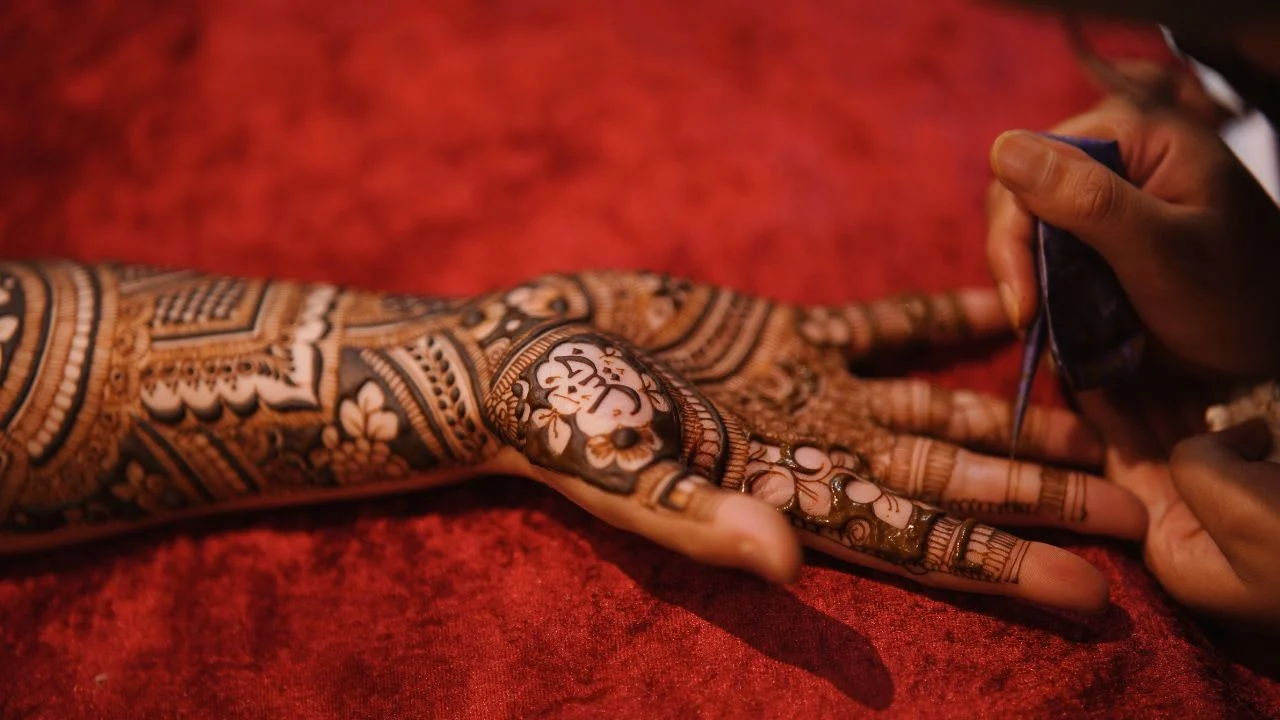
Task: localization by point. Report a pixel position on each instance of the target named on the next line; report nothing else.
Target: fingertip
(762, 540)
(1009, 229)
(993, 156)
(1057, 578)
(983, 311)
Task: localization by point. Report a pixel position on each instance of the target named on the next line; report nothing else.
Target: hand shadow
(748, 608)
(740, 604)
(1114, 625)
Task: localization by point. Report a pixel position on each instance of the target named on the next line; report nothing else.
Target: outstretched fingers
(1010, 493)
(904, 321)
(829, 495)
(982, 422)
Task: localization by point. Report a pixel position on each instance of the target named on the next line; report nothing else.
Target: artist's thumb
(1063, 186)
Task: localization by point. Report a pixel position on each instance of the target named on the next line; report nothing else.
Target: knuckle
(1097, 196)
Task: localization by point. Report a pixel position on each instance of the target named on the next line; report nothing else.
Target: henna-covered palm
(688, 414)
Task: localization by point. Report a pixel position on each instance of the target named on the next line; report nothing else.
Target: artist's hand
(1215, 525)
(1191, 238)
(684, 413)
(1191, 234)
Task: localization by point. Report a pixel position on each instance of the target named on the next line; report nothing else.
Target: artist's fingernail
(1010, 302)
(1021, 159)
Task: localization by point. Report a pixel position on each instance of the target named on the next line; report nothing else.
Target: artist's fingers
(904, 321)
(982, 422)
(1065, 187)
(1009, 228)
(684, 512)
(1010, 493)
(828, 494)
(1010, 224)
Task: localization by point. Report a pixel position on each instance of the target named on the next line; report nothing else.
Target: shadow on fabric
(736, 602)
(733, 601)
(1114, 625)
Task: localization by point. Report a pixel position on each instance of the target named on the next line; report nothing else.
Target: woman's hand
(767, 411)
(717, 424)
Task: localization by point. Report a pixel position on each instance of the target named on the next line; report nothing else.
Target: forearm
(131, 396)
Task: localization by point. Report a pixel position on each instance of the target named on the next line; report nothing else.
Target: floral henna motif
(356, 448)
(830, 493)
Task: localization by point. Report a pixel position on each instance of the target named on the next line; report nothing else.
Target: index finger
(1009, 228)
(1010, 225)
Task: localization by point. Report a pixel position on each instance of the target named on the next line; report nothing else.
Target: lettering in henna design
(584, 406)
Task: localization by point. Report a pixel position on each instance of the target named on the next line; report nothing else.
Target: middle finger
(1008, 492)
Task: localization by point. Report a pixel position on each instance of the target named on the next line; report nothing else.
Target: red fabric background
(817, 151)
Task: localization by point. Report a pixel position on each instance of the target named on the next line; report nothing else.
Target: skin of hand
(1190, 234)
(1192, 237)
(723, 426)
(1214, 546)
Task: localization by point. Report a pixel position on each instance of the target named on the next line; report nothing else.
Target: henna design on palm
(132, 395)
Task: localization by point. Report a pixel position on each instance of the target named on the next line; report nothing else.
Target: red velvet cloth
(818, 150)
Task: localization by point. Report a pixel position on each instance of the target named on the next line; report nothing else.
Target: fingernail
(1021, 159)
(1010, 302)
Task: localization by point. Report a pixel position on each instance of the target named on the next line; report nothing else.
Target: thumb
(1066, 188)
